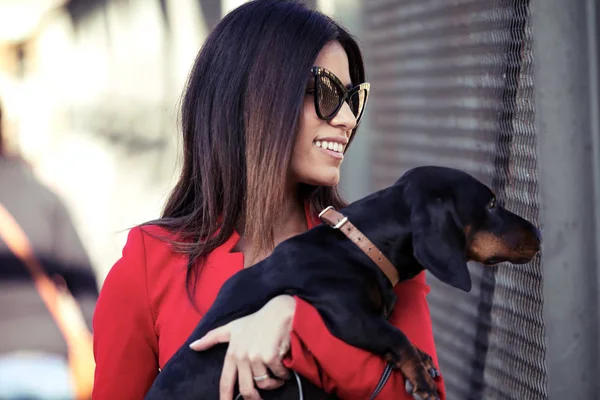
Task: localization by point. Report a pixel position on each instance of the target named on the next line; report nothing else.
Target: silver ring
(260, 378)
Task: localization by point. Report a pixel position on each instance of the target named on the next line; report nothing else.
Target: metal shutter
(452, 85)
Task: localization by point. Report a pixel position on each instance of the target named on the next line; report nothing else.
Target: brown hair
(240, 113)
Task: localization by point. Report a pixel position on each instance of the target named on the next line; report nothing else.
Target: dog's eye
(492, 204)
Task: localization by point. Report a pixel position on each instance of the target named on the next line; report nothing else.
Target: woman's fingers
(260, 375)
(275, 362)
(216, 336)
(246, 358)
(246, 380)
(278, 369)
(228, 375)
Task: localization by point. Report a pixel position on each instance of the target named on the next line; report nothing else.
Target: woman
(264, 136)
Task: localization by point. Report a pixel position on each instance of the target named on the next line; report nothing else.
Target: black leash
(387, 372)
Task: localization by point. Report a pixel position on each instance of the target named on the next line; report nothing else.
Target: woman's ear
(439, 243)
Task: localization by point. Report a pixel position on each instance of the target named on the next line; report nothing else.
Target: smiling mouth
(332, 146)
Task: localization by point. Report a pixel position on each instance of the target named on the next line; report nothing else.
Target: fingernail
(194, 343)
(408, 386)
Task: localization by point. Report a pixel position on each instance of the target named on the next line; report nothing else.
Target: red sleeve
(125, 344)
(353, 373)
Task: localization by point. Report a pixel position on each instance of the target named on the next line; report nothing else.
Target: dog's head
(455, 218)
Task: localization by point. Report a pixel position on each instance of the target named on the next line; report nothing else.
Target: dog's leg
(375, 334)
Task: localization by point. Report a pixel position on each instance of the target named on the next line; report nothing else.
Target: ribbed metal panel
(515, 367)
(452, 85)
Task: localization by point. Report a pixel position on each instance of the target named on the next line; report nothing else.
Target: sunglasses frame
(347, 93)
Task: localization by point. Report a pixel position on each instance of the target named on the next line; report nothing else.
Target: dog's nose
(537, 240)
(538, 235)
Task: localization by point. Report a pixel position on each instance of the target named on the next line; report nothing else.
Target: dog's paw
(422, 391)
(428, 363)
(420, 395)
(419, 373)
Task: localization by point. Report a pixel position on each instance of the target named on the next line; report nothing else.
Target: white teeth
(333, 146)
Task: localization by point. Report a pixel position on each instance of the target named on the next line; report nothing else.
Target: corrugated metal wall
(452, 85)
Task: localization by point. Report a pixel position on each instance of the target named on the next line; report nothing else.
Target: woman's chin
(324, 180)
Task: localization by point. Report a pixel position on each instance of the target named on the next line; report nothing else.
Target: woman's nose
(344, 118)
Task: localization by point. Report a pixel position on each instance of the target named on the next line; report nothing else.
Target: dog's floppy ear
(439, 243)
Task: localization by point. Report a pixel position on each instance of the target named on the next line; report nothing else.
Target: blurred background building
(504, 89)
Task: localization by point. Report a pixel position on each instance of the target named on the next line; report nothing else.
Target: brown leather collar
(338, 221)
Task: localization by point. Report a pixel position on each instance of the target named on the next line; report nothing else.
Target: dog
(432, 218)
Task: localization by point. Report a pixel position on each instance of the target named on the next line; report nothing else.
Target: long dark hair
(240, 112)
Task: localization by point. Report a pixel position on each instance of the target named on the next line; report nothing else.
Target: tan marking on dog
(485, 245)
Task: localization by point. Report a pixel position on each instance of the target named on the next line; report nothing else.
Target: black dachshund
(432, 218)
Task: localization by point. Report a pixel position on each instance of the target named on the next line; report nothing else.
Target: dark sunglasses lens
(330, 97)
(357, 103)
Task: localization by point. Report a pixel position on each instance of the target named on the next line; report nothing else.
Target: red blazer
(143, 316)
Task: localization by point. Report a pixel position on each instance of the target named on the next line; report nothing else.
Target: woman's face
(311, 162)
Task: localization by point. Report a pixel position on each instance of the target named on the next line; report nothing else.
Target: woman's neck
(290, 221)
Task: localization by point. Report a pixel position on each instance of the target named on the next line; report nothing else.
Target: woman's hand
(257, 343)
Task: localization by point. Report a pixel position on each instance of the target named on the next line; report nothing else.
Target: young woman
(273, 100)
